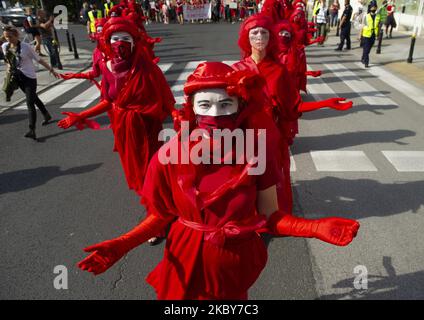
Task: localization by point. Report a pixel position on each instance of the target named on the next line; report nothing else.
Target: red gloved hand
(83, 75)
(107, 253)
(335, 103)
(71, 119)
(314, 74)
(337, 231)
(177, 116)
(317, 40)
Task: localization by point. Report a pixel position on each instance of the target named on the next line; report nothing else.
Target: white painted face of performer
(122, 36)
(259, 38)
(214, 102)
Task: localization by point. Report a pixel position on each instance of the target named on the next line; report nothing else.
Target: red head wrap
(246, 85)
(258, 20)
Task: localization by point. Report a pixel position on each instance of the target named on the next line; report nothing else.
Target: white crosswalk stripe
(366, 91)
(83, 99)
(406, 161)
(397, 83)
(319, 89)
(177, 88)
(345, 161)
(55, 92)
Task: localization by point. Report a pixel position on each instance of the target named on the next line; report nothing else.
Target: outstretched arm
(107, 253)
(334, 230)
(314, 74)
(79, 119)
(333, 103)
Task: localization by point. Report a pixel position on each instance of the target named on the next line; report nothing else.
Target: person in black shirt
(345, 27)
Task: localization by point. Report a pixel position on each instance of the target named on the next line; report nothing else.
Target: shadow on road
(16, 181)
(392, 286)
(360, 198)
(350, 139)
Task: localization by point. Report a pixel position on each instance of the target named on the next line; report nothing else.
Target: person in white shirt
(322, 20)
(19, 58)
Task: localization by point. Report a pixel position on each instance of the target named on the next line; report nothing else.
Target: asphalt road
(69, 191)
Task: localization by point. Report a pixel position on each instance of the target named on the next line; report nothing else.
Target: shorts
(390, 21)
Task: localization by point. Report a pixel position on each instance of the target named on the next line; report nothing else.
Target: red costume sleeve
(333, 103)
(79, 119)
(107, 253)
(337, 231)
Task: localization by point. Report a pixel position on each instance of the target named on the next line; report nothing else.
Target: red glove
(320, 39)
(333, 103)
(337, 231)
(80, 119)
(314, 74)
(107, 253)
(177, 116)
(82, 75)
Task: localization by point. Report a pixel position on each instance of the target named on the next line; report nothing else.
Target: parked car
(15, 16)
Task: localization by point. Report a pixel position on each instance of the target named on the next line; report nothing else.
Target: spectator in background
(84, 13)
(46, 30)
(146, 10)
(345, 27)
(369, 32)
(260, 5)
(390, 21)
(19, 58)
(180, 11)
(322, 17)
(165, 13)
(334, 11)
(31, 27)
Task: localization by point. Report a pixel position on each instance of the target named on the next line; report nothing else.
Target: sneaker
(47, 118)
(31, 134)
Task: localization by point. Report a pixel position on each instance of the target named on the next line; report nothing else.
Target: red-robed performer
(98, 57)
(218, 209)
(135, 91)
(259, 44)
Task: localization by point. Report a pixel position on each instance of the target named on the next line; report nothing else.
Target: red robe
(141, 100)
(197, 265)
(283, 100)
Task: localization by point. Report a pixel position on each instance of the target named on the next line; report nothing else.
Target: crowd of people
(214, 209)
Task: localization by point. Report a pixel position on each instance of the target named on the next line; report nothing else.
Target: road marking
(55, 92)
(177, 88)
(292, 164)
(165, 66)
(230, 62)
(319, 89)
(398, 84)
(366, 91)
(83, 99)
(406, 161)
(341, 161)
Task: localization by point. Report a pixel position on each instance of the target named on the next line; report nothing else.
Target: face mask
(219, 122)
(122, 50)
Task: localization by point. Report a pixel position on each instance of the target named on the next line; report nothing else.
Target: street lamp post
(417, 30)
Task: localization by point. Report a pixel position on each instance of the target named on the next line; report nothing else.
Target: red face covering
(121, 50)
(219, 122)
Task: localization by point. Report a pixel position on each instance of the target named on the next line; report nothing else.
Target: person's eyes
(204, 105)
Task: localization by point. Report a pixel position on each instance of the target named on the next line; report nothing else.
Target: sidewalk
(393, 56)
(44, 79)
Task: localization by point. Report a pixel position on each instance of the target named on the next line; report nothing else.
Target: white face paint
(122, 36)
(259, 38)
(99, 29)
(214, 102)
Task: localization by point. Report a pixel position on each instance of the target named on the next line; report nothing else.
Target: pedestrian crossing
(328, 161)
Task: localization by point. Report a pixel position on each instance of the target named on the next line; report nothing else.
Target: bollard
(76, 56)
(411, 49)
(380, 40)
(338, 28)
(69, 41)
